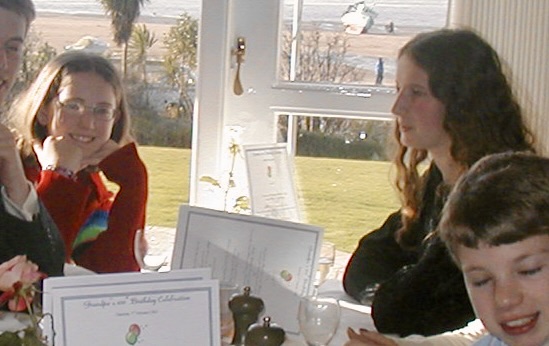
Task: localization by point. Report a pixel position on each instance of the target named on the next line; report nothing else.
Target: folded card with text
(179, 307)
(276, 259)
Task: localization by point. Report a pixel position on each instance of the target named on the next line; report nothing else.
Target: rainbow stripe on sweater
(94, 225)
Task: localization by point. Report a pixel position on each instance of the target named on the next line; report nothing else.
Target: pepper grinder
(267, 334)
(246, 310)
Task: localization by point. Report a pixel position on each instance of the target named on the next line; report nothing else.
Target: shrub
(318, 144)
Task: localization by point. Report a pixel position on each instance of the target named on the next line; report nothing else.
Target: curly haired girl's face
(509, 288)
(419, 114)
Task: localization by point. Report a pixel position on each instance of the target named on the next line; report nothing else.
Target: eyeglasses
(77, 108)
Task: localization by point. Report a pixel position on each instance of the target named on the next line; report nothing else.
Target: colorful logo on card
(133, 334)
(286, 275)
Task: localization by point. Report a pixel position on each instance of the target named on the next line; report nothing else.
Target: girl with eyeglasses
(75, 124)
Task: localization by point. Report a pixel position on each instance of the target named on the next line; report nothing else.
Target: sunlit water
(408, 16)
(415, 13)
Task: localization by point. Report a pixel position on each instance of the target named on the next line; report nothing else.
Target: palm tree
(181, 44)
(140, 43)
(123, 14)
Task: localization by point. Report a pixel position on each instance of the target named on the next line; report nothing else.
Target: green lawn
(346, 197)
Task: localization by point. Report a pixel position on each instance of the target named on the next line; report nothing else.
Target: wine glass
(318, 319)
(325, 262)
(142, 251)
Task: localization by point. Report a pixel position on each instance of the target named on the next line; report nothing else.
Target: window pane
(343, 168)
(343, 41)
(343, 174)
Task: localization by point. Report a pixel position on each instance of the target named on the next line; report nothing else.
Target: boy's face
(12, 33)
(509, 288)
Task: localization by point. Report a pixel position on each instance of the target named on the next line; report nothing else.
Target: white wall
(519, 31)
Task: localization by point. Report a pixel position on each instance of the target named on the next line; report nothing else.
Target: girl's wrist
(67, 173)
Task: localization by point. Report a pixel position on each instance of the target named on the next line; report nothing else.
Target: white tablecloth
(353, 315)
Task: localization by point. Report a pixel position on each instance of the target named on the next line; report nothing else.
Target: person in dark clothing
(379, 71)
(454, 105)
(25, 226)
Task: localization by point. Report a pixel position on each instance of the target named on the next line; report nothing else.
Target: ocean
(403, 13)
(410, 16)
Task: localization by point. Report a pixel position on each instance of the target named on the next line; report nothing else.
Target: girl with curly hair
(454, 105)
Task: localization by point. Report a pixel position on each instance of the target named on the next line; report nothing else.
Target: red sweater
(71, 202)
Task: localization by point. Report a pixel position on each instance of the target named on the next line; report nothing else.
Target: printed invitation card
(276, 259)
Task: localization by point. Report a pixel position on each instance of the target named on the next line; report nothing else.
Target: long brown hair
(482, 114)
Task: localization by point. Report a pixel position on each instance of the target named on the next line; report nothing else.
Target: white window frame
(255, 111)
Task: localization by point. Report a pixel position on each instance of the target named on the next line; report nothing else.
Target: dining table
(353, 314)
(356, 316)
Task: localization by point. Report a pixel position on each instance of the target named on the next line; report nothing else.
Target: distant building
(90, 44)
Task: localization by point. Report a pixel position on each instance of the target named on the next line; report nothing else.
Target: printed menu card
(276, 259)
(271, 182)
(174, 308)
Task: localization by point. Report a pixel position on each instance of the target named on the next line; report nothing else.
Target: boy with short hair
(15, 19)
(25, 226)
(496, 226)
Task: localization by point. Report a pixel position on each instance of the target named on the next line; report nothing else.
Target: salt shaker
(246, 310)
(265, 334)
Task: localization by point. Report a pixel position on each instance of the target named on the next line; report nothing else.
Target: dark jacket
(38, 239)
(421, 291)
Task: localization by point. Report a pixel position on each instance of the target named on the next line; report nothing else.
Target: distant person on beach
(75, 124)
(379, 71)
(390, 27)
(25, 226)
(454, 105)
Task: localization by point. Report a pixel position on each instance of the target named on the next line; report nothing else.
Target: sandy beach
(61, 30)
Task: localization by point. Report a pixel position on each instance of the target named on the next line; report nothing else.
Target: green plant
(36, 54)
(181, 43)
(242, 203)
(141, 41)
(123, 14)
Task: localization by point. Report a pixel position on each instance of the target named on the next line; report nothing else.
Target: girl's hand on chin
(106, 149)
(59, 152)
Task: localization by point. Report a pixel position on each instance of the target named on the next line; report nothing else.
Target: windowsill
(343, 89)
